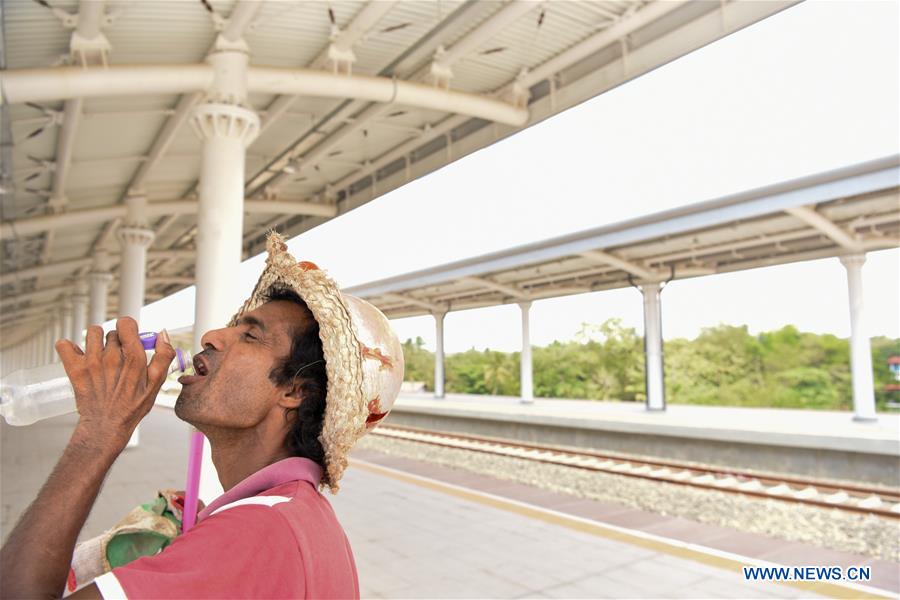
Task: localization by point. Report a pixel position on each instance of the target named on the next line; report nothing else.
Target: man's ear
(291, 397)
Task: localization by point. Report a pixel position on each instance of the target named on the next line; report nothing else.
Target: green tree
(419, 362)
(882, 349)
(465, 372)
(724, 365)
(500, 374)
(604, 363)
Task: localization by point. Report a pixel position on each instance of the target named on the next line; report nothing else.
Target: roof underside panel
(870, 219)
(344, 158)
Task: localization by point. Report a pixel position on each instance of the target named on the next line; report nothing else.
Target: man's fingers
(75, 347)
(112, 356)
(162, 358)
(93, 342)
(70, 355)
(131, 342)
(112, 338)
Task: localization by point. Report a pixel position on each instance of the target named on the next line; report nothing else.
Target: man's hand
(114, 390)
(114, 386)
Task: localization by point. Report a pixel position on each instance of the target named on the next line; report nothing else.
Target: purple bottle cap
(148, 340)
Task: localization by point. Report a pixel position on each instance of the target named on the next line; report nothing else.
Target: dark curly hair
(304, 367)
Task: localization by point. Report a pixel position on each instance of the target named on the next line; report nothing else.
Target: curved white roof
(844, 211)
(75, 147)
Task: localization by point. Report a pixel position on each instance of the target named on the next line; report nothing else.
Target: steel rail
(881, 501)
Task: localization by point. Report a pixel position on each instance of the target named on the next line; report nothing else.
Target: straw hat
(363, 356)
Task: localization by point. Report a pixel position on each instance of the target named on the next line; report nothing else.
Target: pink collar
(283, 471)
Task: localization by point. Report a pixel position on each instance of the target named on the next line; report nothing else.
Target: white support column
(29, 353)
(65, 315)
(860, 347)
(56, 325)
(439, 354)
(653, 362)
(79, 312)
(227, 126)
(135, 237)
(40, 344)
(34, 349)
(526, 376)
(99, 279)
(49, 352)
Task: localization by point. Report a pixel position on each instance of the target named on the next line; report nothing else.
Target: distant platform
(813, 443)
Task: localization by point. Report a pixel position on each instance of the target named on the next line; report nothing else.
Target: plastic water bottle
(30, 395)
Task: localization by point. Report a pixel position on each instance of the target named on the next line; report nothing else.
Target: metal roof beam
(21, 320)
(10, 317)
(164, 138)
(441, 68)
(65, 266)
(575, 54)
(681, 40)
(605, 258)
(463, 46)
(239, 19)
(62, 83)
(505, 289)
(414, 301)
(33, 225)
(87, 32)
(700, 253)
(610, 35)
(367, 18)
(863, 178)
(67, 288)
(65, 146)
(69, 266)
(822, 224)
(403, 67)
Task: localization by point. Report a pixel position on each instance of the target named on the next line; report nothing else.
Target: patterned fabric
(145, 531)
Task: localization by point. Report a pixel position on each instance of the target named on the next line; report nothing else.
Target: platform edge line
(685, 550)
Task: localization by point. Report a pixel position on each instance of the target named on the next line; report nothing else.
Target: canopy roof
(97, 96)
(849, 210)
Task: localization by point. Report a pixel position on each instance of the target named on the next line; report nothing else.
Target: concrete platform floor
(820, 444)
(411, 538)
(788, 427)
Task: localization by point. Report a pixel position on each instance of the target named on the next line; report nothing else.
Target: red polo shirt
(273, 535)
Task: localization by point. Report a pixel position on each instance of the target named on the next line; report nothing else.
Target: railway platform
(811, 443)
(420, 530)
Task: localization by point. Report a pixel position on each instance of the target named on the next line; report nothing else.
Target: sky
(813, 88)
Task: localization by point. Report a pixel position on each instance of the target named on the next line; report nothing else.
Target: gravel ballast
(829, 528)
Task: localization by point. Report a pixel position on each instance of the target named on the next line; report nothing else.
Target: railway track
(881, 501)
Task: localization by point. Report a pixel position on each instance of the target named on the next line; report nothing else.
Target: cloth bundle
(144, 531)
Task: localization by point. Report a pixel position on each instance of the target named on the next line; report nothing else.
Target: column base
(857, 419)
(655, 409)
